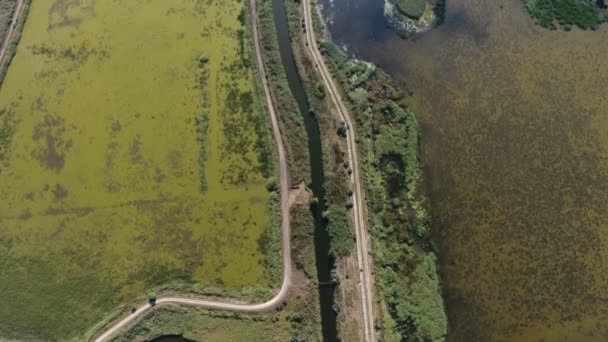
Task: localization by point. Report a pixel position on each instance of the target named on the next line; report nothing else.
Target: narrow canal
(323, 260)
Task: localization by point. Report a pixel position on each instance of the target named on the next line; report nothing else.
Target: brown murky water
(515, 124)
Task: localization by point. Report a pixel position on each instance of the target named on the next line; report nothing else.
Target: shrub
(341, 236)
(271, 185)
(152, 298)
(359, 97)
(342, 130)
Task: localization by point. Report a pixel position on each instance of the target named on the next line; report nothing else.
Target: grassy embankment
(585, 14)
(399, 215)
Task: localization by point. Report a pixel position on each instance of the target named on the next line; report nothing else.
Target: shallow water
(515, 121)
(100, 199)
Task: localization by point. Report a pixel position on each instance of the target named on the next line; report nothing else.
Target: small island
(409, 17)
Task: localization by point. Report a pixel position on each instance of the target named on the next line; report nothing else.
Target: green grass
(412, 8)
(567, 13)
(342, 238)
(303, 240)
(298, 321)
(101, 183)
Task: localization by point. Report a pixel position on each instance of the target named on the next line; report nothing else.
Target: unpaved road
(11, 29)
(227, 305)
(362, 236)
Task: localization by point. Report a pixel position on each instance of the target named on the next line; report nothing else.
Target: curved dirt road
(227, 305)
(364, 261)
(11, 29)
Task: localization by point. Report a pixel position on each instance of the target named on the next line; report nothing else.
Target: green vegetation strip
(388, 134)
(585, 14)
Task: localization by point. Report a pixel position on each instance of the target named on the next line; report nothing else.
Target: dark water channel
(515, 125)
(323, 261)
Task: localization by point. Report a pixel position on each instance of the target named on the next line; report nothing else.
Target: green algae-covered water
(100, 192)
(515, 121)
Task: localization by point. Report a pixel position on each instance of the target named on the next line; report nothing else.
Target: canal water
(323, 261)
(515, 131)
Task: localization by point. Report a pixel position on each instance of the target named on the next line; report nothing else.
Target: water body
(515, 124)
(323, 261)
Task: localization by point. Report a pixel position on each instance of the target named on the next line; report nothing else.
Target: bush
(152, 298)
(320, 91)
(271, 185)
(359, 97)
(342, 239)
(342, 130)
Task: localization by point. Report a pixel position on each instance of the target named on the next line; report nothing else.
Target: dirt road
(11, 29)
(228, 305)
(361, 233)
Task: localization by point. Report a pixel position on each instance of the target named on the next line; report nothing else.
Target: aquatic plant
(566, 13)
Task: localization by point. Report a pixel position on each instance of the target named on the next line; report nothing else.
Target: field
(299, 320)
(127, 160)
